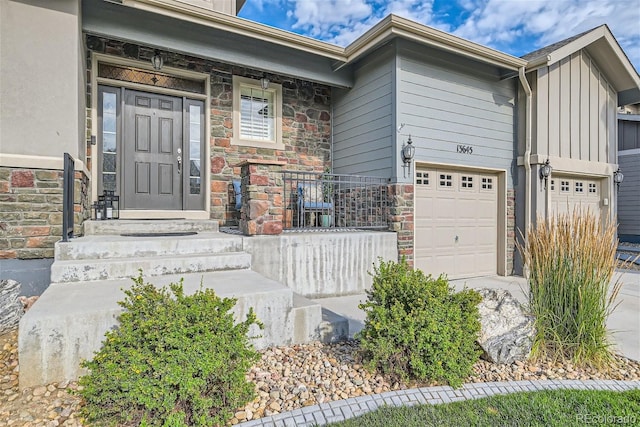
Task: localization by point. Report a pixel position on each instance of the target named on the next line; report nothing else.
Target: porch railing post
(68, 177)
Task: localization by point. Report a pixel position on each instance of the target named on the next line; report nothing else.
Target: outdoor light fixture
(157, 61)
(408, 151)
(545, 172)
(264, 82)
(107, 206)
(618, 177)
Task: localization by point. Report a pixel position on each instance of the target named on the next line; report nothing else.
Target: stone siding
(262, 188)
(401, 218)
(306, 120)
(31, 211)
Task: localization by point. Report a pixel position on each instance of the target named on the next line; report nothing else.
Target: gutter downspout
(527, 152)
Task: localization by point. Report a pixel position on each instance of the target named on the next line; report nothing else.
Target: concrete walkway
(341, 410)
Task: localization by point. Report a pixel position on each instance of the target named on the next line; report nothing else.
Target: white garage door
(570, 192)
(456, 223)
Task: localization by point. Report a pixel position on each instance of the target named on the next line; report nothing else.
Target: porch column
(401, 218)
(262, 188)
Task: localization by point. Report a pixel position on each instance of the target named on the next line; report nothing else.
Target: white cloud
(342, 21)
(498, 23)
(512, 26)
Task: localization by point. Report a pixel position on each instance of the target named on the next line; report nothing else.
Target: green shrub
(417, 327)
(174, 360)
(570, 262)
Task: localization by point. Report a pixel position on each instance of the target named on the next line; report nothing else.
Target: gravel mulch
(286, 378)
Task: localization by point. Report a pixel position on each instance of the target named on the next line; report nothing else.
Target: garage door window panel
(487, 184)
(445, 181)
(422, 179)
(466, 182)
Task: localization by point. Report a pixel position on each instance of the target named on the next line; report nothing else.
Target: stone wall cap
(260, 162)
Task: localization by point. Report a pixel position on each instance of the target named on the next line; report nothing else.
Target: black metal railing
(67, 197)
(325, 200)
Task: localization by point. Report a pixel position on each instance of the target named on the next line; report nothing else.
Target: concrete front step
(122, 268)
(121, 226)
(94, 247)
(67, 324)
(313, 322)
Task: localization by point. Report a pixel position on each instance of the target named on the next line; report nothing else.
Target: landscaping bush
(174, 360)
(570, 262)
(417, 327)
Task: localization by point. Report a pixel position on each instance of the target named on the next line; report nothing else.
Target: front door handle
(179, 158)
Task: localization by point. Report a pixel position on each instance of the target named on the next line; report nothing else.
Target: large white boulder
(507, 330)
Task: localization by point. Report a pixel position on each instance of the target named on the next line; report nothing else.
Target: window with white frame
(257, 113)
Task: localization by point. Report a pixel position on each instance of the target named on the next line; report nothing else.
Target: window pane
(108, 162)
(195, 141)
(109, 140)
(257, 113)
(194, 170)
(109, 181)
(194, 185)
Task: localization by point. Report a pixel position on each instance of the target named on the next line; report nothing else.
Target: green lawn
(544, 408)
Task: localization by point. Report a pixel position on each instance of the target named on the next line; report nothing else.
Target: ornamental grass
(570, 262)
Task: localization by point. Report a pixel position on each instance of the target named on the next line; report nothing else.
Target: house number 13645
(465, 149)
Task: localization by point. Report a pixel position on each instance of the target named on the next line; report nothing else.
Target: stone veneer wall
(401, 218)
(31, 211)
(306, 120)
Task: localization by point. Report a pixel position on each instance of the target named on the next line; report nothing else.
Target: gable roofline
(556, 52)
(396, 26)
(390, 27)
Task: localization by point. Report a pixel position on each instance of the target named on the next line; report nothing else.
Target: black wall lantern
(408, 151)
(618, 177)
(545, 172)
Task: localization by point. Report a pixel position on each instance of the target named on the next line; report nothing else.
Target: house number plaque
(464, 149)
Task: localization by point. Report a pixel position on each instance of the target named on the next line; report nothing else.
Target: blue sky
(516, 27)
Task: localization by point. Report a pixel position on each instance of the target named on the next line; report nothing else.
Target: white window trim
(273, 88)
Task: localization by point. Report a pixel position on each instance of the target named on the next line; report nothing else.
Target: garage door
(569, 192)
(456, 223)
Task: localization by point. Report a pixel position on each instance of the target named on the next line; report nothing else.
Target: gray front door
(152, 152)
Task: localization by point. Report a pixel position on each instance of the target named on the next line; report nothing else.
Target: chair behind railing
(325, 200)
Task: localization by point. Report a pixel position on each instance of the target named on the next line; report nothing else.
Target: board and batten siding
(363, 121)
(444, 106)
(575, 107)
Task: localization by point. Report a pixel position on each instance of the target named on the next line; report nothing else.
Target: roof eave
(395, 26)
(240, 26)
